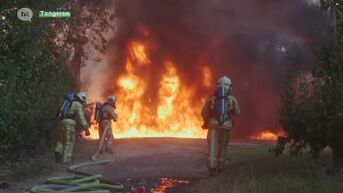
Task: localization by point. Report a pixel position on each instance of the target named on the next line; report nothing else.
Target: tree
(90, 21)
(39, 62)
(312, 104)
(33, 79)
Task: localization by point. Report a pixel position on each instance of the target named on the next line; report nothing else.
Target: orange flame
(172, 115)
(169, 183)
(138, 53)
(207, 76)
(268, 135)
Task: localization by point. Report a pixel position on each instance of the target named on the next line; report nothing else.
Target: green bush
(312, 107)
(33, 80)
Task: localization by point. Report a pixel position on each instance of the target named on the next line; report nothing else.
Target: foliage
(84, 33)
(33, 70)
(33, 77)
(312, 104)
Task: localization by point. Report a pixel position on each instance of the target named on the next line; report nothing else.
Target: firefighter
(66, 139)
(107, 115)
(217, 114)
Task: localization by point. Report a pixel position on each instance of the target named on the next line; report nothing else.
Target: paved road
(152, 158)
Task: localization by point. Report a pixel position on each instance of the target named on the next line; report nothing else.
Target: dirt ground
(149, 159)
(139, 159)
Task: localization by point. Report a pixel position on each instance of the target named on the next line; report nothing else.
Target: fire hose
(101, 142)
(82, 182)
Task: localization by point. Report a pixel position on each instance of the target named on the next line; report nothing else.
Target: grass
(27, 167)
(42, 163)
(252, 169)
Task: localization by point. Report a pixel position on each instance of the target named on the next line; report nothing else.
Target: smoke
(251, 41)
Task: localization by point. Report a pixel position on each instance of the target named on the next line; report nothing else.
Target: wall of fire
(163, 59)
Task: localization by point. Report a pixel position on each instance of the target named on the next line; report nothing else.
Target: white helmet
(82, 96)
(224, 81)
(112, 98)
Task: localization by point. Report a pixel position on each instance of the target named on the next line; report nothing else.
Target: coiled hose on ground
(82, 182)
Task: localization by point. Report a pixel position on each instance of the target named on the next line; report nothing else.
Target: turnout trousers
(109, 134)
(218, 140)
(66, 139)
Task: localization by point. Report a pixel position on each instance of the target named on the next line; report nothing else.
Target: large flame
(172, 115)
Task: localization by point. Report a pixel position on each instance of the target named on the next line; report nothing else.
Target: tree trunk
(76, 66)
(334, 22)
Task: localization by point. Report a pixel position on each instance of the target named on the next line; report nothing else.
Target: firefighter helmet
(82, 96)
(112, 100)
(224, 81)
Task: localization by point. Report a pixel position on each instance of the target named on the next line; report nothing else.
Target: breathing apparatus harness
(220, 104)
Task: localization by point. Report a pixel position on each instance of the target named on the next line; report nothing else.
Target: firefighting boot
(58, 157)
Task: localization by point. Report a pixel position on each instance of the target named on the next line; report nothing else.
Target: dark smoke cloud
(251, 41)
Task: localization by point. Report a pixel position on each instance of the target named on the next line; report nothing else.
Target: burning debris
(268, 135)
(161, 186)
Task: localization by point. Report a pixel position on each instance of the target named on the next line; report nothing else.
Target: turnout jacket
(108, 113)
(77, 112)
(210, 118)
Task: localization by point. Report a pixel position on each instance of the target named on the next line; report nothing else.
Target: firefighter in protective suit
(66, 138)
(108, 114)
(217, 114)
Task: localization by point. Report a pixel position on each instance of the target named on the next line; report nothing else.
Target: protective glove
(205, 124)
(87, 132)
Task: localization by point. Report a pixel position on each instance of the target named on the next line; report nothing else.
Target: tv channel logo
(25, 14)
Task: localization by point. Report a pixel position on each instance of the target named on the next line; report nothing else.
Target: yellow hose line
(84, 182)
(101, 141)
